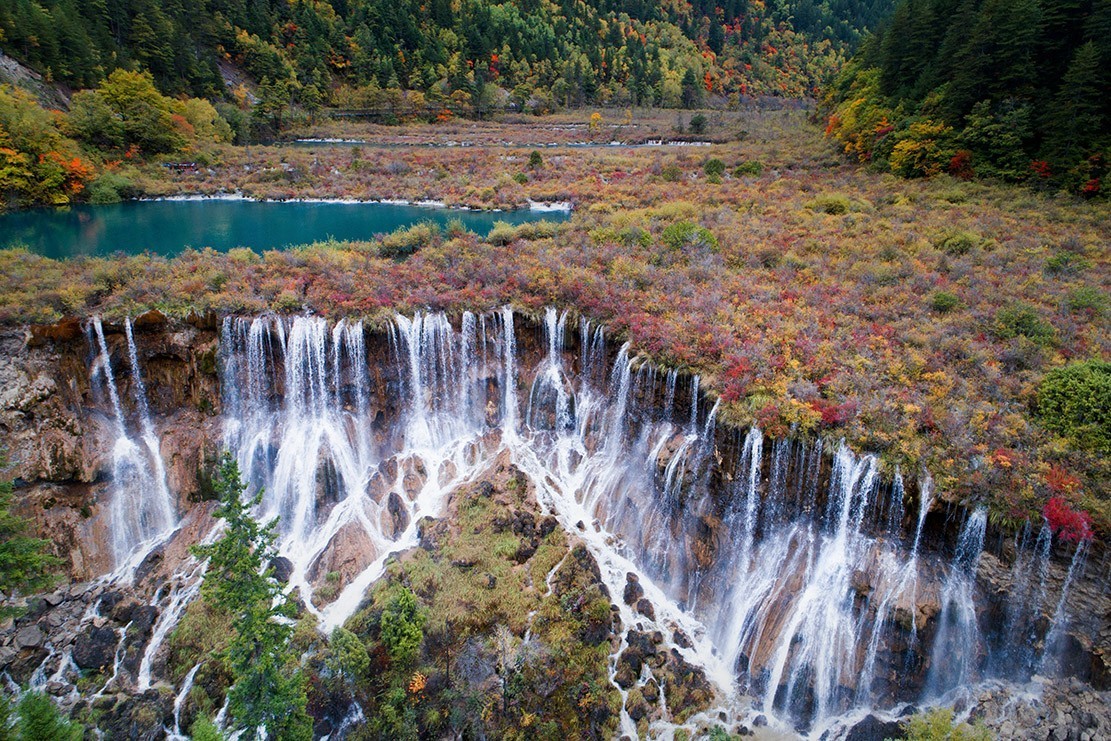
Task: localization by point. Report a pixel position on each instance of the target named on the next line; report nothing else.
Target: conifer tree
(25, 565)
(1076, 119)
(269, 688)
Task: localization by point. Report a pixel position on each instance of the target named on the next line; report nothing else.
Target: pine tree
(269, 688)
(39, 718)
(1076, 120)
(25, 566)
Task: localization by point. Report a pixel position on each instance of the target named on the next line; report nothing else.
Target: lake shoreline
(533, 206)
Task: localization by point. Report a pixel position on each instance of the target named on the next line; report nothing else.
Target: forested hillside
(540, 54)
(1011, 89)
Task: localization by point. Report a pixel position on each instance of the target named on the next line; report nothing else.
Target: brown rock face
(350, 551)
(59, 426)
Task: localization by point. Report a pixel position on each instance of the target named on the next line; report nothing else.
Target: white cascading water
(956, 649)
(791, 585)
(141, 509)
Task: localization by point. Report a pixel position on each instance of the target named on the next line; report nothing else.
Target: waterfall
(955, 654)
(141, 510)
(793, 571)
(1051, 656)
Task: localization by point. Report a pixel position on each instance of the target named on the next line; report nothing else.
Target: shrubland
(923, 319)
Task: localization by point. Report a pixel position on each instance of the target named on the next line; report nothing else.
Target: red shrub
(1070, 525)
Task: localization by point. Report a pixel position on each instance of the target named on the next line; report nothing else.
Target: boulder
(29, 637)
(874, 729)
(95, 648)
(633, 590)
(283, 569)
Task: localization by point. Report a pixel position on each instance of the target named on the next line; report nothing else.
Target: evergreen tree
(269, 688)
(25, 565)
(38, 718)
(1076, 121)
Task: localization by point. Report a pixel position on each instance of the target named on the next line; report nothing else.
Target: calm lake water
(168, 227)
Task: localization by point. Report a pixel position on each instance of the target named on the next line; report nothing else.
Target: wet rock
(548, 525)
(430, 533)
(108, 602)
(636, 706)
(95, 648)
(29, 637)
(143, 618)
(625, 676)
(57, 688)
(150, 564)
(7, 656)
(525, 550)
(121, 610)
(141, 718)
(524, 524)
(349, 552)
(874, 729)
(283, 569)
(397, 515)
(633, 590)
(862, 585)
(152, 319)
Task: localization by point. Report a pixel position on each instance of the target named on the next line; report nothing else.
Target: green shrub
(404, 242)
(714, 167)
(1087, 299)
(110, 188)
(1066, 263)
(1075, 401)
(938, 725)
(504, 233)
(833, 204)
(1022, 320)
(683, 235)
(403, 627)
(205, 730)
(671, 174)
(40, 718)
(958, 243)
(750, 167)
(456, 228)
(943, 301)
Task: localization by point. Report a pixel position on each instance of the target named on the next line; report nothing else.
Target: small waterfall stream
(802, 582)
(141, 510)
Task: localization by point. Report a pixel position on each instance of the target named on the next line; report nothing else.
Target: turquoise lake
(168, 227)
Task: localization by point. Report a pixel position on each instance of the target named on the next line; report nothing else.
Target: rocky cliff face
(57, 424)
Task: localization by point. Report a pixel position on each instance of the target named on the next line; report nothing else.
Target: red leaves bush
(1069, 525)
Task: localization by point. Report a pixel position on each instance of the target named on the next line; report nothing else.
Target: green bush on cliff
(1075, 401)
(36, 717)
(938, 725)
